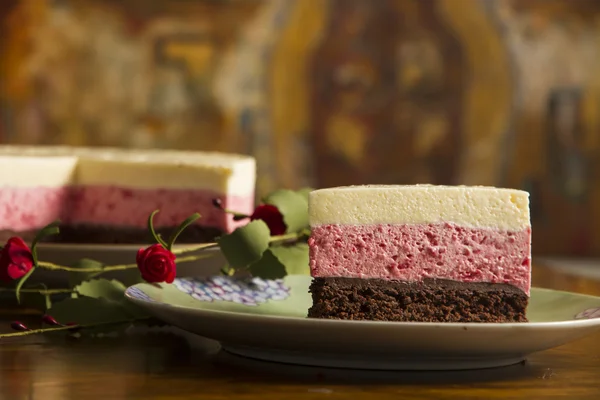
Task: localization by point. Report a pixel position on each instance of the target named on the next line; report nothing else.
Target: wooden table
(165, 366)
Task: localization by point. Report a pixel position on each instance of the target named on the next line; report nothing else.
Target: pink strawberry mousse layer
(419, 251)
(31, 208)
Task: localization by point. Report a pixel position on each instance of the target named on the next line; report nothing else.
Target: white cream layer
(49, 166)
(469, 206)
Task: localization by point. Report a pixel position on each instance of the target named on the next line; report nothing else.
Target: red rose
(272, 217)
(156, 264)
(15, 259)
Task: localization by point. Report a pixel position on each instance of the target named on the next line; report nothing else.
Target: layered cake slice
(420, 253)
(105, 195)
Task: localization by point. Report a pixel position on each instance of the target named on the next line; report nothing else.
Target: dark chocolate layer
(427, 301)
(89, 234)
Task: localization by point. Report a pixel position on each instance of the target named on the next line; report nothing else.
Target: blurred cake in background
(105, 195)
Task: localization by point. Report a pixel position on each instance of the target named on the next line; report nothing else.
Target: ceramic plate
(267, 320)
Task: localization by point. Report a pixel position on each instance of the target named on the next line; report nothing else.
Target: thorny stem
(204, 246)
(283, 238)
(95, 270)
(66, 328)
(56, 267)
(109, 268)
(190, 249)
(40, 291)
(103, 269)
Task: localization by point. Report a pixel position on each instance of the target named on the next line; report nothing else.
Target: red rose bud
(49, 320)
(18, 326)
(156, 264)
(15, 259)
(271, 216)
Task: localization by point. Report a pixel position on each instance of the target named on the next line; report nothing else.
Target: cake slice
(420, 253)
(105, 195)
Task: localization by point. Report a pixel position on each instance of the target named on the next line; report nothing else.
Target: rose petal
(16, 271)
(15, 259)
(17, 243)
(139, 259)
(21, 257)
(271, 216)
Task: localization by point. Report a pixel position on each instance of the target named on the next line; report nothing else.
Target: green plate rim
(566, 324)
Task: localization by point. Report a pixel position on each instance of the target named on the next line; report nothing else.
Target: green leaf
(294, 258)
(246, 244)
(188, 221)
(75, 278)
(279, 261)
(21, 283)
(268, 267)
(102, 288)
(292, 205)
(89, 310)
(111, 290)
(153, 232)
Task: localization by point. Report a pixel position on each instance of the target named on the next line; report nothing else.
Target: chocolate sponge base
(428, 301)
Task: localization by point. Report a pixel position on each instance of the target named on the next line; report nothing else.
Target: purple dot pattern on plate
(136, 293)
(247, 291)
(589, 313)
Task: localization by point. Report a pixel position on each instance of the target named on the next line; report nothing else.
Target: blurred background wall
(328, 92)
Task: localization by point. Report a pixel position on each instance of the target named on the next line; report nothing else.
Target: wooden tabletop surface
(167, 366)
